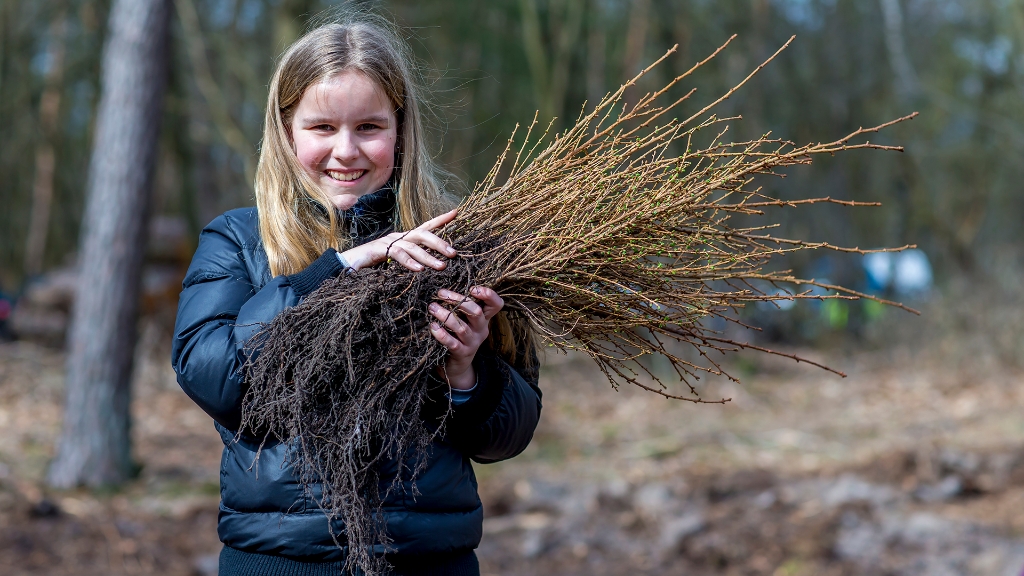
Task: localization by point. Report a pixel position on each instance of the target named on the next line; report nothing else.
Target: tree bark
(94, 447)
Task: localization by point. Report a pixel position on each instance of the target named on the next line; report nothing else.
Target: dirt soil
(914, 464)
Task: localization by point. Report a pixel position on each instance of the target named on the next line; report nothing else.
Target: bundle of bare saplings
(612, 238)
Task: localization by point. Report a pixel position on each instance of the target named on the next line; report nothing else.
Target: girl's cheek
(382, 154)
(310, 153)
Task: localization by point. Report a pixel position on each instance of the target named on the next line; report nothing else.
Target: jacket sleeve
(498, 420)
(219, 310)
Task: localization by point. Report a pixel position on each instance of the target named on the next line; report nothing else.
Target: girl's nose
(345, 146)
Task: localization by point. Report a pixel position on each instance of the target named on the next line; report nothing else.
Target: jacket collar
(373, 215)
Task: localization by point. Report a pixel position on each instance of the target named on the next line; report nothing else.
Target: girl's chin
(344, 195)
(345, 201)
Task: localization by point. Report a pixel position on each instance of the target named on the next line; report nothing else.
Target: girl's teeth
(346, 177)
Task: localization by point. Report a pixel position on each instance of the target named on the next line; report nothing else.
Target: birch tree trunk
(94, 447)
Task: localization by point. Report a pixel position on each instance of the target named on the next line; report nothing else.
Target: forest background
(955, 193)
(913, 465)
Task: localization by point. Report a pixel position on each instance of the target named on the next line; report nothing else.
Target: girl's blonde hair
(297, 220)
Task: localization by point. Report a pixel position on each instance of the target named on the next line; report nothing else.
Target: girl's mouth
(345, 176)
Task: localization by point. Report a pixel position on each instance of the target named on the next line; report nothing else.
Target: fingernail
(477, 290)
(449, 251)
(438, 264)
(417, 266)
(434, 307)
(442, 293)
(435, 326)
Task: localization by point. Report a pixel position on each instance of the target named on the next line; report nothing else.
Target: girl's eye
(364, 127)
(323, 127)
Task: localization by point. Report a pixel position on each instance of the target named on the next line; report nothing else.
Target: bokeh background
(913, 464)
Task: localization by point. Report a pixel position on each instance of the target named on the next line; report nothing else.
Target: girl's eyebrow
(317, 120)
(375, 120)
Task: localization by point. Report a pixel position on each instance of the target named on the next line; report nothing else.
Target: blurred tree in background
(94, 447)
(960, 62)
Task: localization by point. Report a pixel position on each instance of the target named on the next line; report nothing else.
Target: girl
(344, 182)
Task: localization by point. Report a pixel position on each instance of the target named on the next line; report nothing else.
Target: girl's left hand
(464, 334)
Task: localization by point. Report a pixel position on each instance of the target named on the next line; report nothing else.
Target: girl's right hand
(406, 248)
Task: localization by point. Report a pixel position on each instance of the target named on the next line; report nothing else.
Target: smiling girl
(345, 181)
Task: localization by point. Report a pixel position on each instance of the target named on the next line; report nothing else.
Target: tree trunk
(550, 68)
(636, 41)
(94, 447)
(906, 78)
(597, 40)
(42, 188)
(216, 102)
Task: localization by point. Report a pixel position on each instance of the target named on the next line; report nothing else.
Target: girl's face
(344, 132)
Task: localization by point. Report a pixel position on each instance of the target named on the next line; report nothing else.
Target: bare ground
(914, 464)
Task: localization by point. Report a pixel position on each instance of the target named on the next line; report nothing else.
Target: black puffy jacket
(227, 295)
